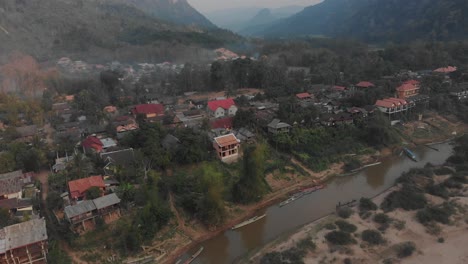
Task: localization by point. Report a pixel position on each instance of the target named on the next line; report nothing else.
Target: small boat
(291, 199)
(288, 201)
(349, 204)
(249, 221)
(194, 256)
(410, 154)
(312, 189)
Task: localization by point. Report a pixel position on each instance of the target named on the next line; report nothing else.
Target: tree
(6, 219)
(211, 203)
(7, 162)
(372, 236)
(54, 201)
(378, 131)
(93, 193)
(252, 185)
(243, 118)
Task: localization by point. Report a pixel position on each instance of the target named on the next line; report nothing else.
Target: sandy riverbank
(429, 249)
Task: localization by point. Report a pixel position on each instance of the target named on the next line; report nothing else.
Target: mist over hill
(108, 29)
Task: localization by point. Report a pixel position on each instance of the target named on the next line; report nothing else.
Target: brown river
(232, 245)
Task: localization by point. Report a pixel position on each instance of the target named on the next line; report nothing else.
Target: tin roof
(22, 234)
(79, 209)
(106, 201)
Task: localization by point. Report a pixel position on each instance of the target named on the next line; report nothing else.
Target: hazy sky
(211, 5)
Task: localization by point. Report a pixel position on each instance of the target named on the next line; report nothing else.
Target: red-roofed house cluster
(222, 108)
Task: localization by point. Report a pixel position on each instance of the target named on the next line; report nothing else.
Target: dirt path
(42, 177)
(180, 220)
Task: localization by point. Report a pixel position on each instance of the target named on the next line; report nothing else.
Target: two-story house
(222, 108)
(408, 89)
(277, 127)
(25, 242)
(227, 148)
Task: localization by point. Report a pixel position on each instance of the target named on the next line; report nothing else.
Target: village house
(82, 216)
(148, 111)
(227, 148)
(408, 89)
(278, 127)
(79, 187)
(92, 143)
(27, 133)
(446, 70)
(304, 96)
(393, 106)
(25, 242)
(329, 120)
(11, 185)
(460, 91)
(365, 85)
(18, 207)
(119, 158)
(123, 125)
(222, 108)
(61, 163)
(108, 143)
(245, 135)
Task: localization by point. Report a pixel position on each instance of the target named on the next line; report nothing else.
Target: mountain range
(52, 28)
(175, 11)
(376, 20)
(241, 19)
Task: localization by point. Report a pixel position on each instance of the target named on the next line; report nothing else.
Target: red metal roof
(385, 104)
(222, 123)
(448, 69)
(303, 95)
(339, 88)
(365, 84)
(401, 101)
(91, 141)
(148, 109)
(413, 82)
(224, 104)
(79, 187)
(407, 87)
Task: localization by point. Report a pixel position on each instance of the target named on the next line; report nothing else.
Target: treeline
(318, 147)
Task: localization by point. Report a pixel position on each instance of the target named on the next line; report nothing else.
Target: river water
(231, 245)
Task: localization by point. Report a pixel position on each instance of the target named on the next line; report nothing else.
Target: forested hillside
(176, 11)
(378, 20)
(97, 29)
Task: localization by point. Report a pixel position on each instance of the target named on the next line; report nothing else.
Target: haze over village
(162, 131)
